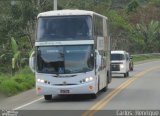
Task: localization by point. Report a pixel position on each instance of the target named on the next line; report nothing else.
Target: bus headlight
(87, 79)
(121, 65)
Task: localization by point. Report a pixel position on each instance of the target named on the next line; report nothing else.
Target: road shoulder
(19, 99)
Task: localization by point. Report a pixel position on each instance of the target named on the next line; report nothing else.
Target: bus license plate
(64, 91)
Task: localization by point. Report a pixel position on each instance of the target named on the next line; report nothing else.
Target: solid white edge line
(17, 108)
(42, 97)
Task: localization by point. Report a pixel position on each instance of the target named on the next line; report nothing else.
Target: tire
(109, 76)
(132, 66)
(105, 88)
(93, 96)
(125, 74)
(48, 97)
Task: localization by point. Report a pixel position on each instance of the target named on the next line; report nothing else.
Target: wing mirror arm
(32, 61)
(98, 60)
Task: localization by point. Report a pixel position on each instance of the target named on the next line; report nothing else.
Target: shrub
(21, 81)
(9, 87)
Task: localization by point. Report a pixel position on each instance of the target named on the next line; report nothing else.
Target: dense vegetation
(134, 27)
(145, 57)
(22, 80)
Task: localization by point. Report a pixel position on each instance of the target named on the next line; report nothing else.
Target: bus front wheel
(93, 96)
(48, 97)
(126, 74)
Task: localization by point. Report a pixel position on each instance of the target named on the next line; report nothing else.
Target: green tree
(150, 35)
(132, 6)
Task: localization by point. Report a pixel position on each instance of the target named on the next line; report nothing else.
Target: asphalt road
(139, 91)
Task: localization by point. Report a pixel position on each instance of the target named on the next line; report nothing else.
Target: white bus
(72, 53)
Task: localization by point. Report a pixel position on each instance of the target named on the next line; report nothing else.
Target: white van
(120, 63)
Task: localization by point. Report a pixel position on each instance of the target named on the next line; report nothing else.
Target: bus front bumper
(86, 88)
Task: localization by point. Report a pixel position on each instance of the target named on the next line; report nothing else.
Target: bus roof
(68, 13)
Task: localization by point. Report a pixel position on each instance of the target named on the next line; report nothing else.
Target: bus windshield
(64, 28)
(117, 57)
(65, 59)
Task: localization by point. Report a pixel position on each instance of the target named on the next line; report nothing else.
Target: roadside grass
(21, 81)
(137, 58)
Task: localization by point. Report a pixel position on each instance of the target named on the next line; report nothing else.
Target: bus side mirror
(32, 61)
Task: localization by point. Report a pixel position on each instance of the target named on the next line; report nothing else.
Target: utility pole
(55, 4)
(38, 3)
